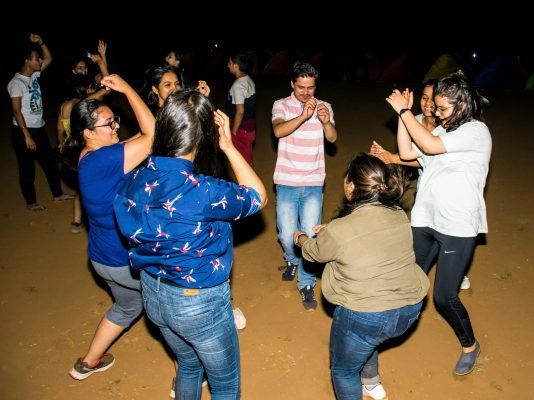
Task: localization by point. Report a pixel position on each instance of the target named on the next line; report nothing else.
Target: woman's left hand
(225, 134)
(317, 228)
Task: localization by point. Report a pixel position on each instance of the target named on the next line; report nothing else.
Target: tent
(503, 72)
(445, 64)
(403, 69)
(279, 65)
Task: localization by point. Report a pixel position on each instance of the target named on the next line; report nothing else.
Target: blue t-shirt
(100, 174)
(178, 223)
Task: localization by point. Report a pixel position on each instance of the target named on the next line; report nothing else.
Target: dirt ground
(51, 302)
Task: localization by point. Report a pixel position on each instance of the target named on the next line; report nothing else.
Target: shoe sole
(80, 377)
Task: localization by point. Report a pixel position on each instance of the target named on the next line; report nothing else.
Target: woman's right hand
(225, 134)
(115, 82)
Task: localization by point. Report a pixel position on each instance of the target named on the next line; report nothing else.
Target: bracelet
(297, 239)
(403, 111)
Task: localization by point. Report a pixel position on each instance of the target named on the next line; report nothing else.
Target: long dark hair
(467, 101)
(185, 125)
(153, 77)
(374, 182)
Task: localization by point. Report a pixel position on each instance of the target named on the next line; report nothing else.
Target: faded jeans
(298, 207)
(198, 325)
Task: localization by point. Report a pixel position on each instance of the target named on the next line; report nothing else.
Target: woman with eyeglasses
(104, 164)
(449, 210)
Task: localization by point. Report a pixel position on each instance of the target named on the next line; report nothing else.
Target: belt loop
(159, 283)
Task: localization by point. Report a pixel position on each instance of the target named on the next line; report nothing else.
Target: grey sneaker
(308, 298)
(466, 362)
(289, 272)
(81, 369)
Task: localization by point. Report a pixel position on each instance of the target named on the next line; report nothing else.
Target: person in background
(242, 107)
(104, 165)
(80, 67)
(29, 137)
(371, 275)
(162, 80)
(449, 210)
(175, 58)
(177, 218)
(300, 122)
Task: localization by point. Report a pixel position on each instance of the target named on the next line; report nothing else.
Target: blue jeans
(198, 325)
(298, 207)
(353, 341)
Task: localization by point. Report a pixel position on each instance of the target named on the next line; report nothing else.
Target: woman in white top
(449, 210)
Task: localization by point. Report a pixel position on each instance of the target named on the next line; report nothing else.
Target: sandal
(35, 207)
(64, 197)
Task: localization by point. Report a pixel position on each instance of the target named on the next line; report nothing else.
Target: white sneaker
(172, 393)
(465, 284)
(375, 392)
(239, 319)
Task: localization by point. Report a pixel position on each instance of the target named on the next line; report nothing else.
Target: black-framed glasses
(113, 124)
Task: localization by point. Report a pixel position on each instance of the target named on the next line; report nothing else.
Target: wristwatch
(297, 238)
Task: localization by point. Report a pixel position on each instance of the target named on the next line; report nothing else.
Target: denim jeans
(353, 341)
(198, 325)
(298, 207)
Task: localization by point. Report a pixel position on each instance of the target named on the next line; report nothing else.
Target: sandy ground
(51, 301)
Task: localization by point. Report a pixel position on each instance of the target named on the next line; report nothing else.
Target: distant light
(475, 55)
(216, 45)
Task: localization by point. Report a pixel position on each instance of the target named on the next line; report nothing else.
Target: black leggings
(454, 256)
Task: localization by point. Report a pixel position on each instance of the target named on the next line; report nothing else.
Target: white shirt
(450, 195)
(27, 87)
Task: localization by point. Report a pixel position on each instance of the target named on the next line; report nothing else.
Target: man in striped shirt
(300, 122)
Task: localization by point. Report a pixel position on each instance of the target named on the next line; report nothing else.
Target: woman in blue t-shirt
(177, 218)
(104, 164)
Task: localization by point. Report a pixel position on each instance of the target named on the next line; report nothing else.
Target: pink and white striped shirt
(300, 159)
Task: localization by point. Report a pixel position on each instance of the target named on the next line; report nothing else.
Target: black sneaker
(81, 369)
(289, 272)
(308, 298)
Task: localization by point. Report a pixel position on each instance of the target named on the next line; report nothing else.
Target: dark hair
(431, 82)
(77, 86)
(153, 77)
(374, 182)
(303, 70)
(242, 62)
(466, 99)
(185, 125)
(84, 116)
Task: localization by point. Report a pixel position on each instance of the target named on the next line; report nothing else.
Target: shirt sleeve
(323, 248)
(15, 88)
(465, 138)
(229, 201)
(237, 91)
(278, 110)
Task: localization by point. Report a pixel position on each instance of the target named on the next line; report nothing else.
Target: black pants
(454, 256)
(26, 161)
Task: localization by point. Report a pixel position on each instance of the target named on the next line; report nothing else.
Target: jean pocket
(404, 324)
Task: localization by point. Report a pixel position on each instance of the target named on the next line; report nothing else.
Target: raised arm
(47, 56)
(244, 173)
(137, 148)
(424, 139)
(100, 60)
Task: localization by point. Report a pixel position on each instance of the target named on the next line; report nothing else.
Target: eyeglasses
(442, 109)
(113, 124)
